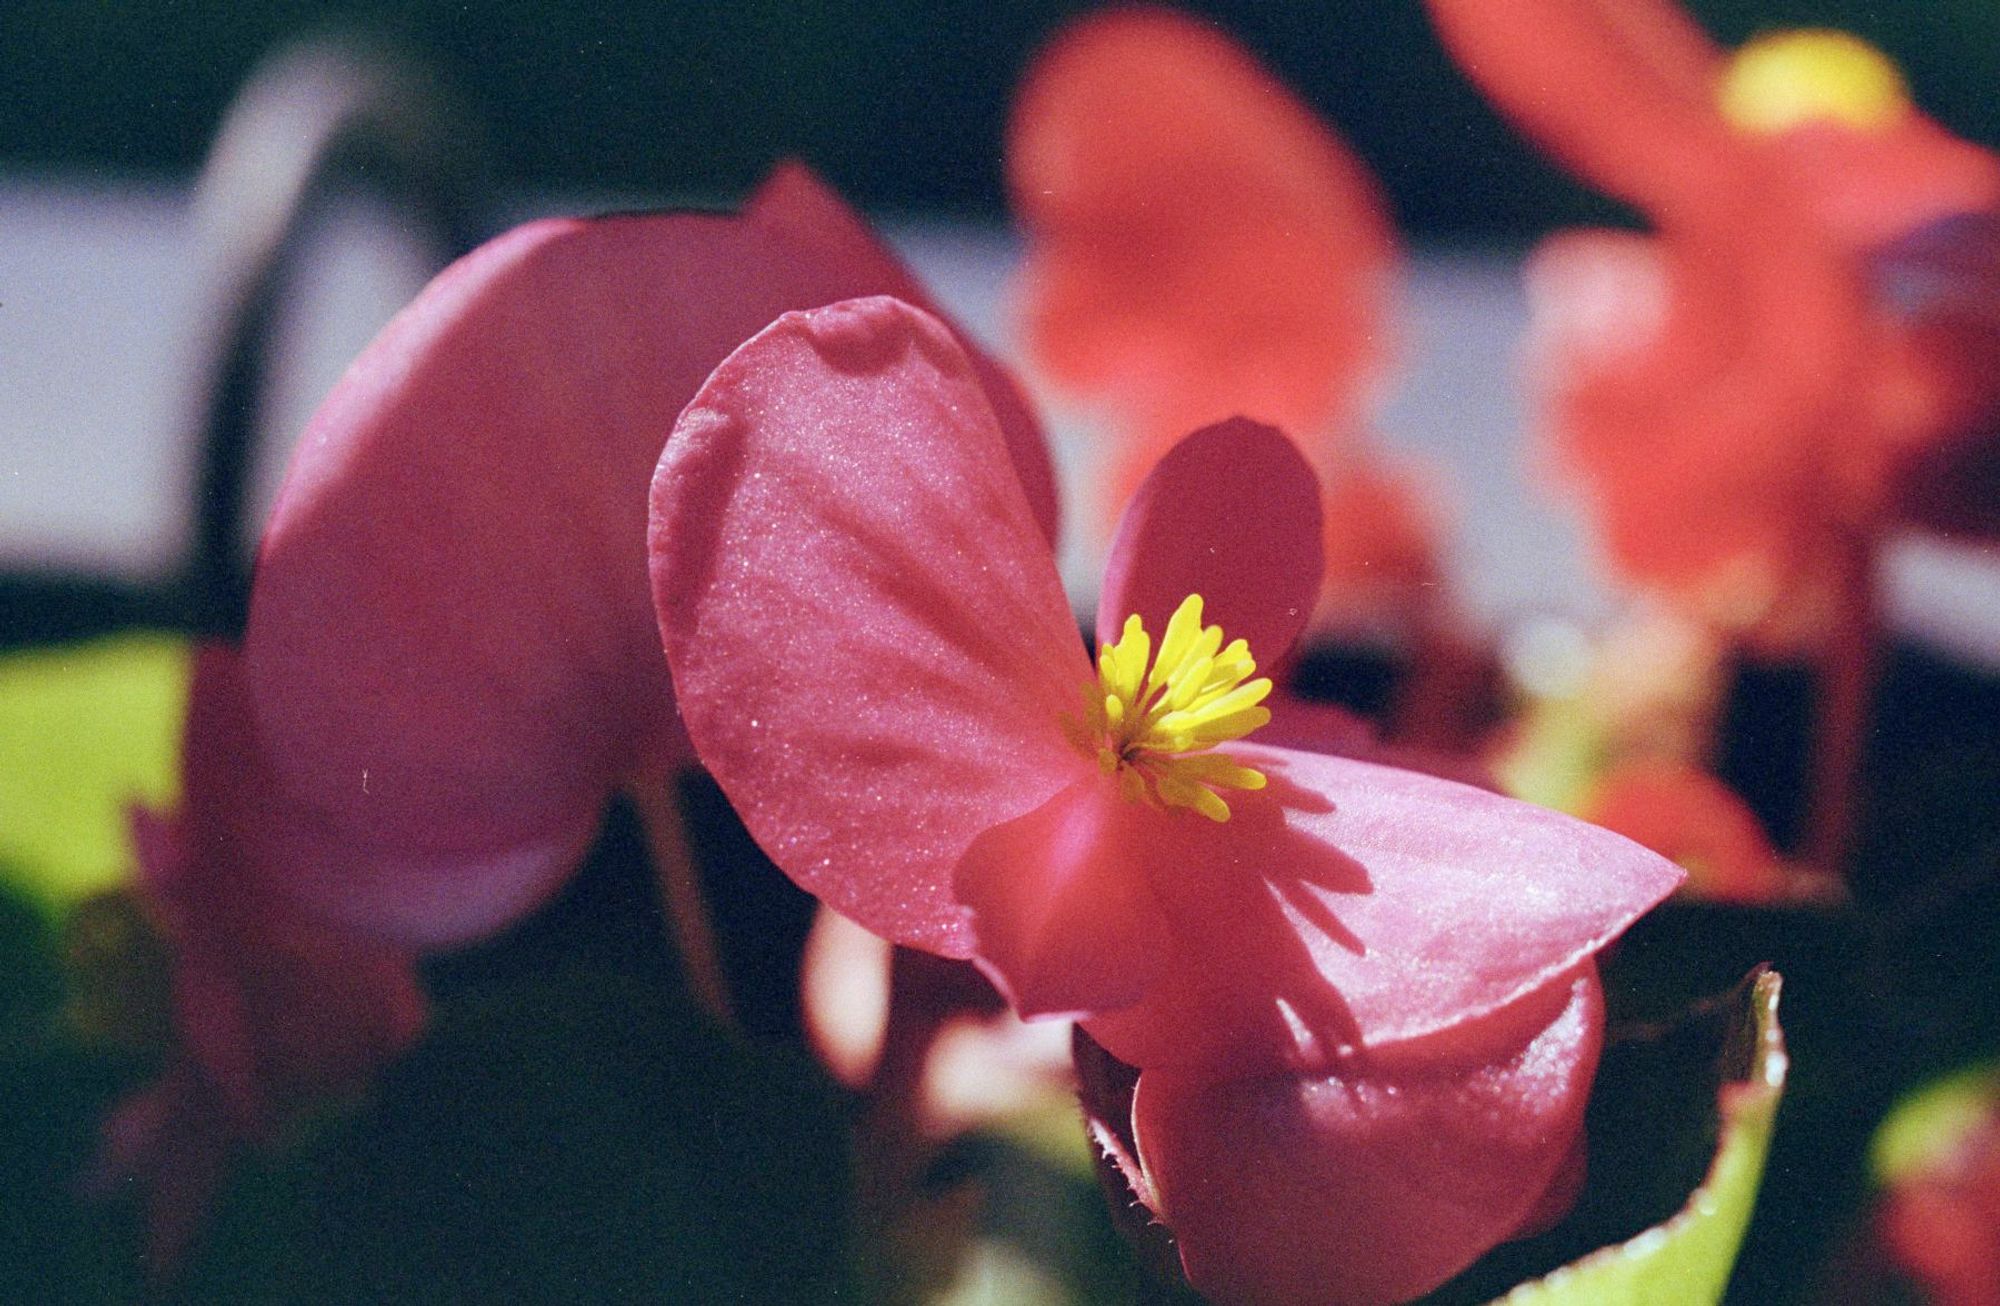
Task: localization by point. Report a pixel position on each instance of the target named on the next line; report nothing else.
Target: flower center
(1151, 721)
(1786, 79)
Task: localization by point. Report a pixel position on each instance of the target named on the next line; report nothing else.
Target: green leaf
(85, 730)
(1930, 1126)
(1687, 1259)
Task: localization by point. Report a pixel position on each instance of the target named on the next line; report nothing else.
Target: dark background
(900, 102)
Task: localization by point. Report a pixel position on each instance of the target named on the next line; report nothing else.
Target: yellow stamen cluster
(1152, 721)
(1784, 79)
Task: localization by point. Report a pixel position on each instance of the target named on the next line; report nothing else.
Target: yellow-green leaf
(1930, 1126)
(85, 730)
(1686, 1261)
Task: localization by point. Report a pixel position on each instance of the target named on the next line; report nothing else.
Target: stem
(893, 1153)
(1434, 705)
(681, 895)
(1849, 665)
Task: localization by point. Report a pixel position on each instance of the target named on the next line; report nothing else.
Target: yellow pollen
(1785, 79)
(1151, 721)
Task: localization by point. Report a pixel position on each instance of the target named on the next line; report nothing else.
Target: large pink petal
(1062, 904)
(1351, 905)
(796, 203)
(1232, 513)
(872, 650)
(1380, 1180)
(453, 653)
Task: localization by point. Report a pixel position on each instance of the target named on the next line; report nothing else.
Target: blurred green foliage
(901, 102)
(85, 730)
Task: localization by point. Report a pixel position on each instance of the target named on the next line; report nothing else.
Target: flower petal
(1349, 905)
(1379, 1181)
(809, 214)
(1062, 906)
(1622, 91)
(1200, 244)
(871, 647)
(1232, 513)
(276, 1009)
(454, 658)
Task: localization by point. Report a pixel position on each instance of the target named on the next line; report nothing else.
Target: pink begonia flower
(453, 656)
(1379, 983)
(272, 1012)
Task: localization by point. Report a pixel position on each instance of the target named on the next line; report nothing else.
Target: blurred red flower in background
(1201, 246)
(1735, 393)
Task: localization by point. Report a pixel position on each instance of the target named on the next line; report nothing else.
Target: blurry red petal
(1061, 902)
(871, 647)
(1684, 813)
(1382, 1179)
(1200, 244)
(1381, 537)
(1871, 187)
(1353, 905)
(1619, 90)
(1232, 513)
(174, 1140)
(275, 1008)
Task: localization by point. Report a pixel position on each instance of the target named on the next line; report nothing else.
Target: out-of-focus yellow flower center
(1784, 79)
(1151, 721)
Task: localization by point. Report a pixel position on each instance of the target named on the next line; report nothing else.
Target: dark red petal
(451, 642)
(1232, 513)
(806, 211)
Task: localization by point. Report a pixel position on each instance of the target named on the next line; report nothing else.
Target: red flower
(1733, 392)
(1330, 963)
(1199, 244)
(454, 660)
(273, 1012)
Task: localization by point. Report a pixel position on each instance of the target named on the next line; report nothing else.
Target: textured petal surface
(1350, 905)
(871, 647)
(1381, 1180)
(451, 643)
(1200, 245)
(1062, 905)
(1232, 513)
(813, 218)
